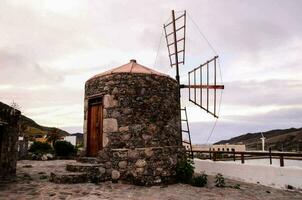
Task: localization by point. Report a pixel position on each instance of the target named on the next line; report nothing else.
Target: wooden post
(210, 154)
(234, 155)
(270, 156)
(242, 158)
(281, 161)
(214, 156)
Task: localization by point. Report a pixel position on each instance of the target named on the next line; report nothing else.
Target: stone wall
(141, 125)
(8, 142)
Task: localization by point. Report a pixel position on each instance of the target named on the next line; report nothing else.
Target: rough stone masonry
(9, 120)
(141, 126)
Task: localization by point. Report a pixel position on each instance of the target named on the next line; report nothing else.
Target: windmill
(263, 141)
(199, 89)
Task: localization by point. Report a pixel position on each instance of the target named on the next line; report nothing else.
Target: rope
(160, 40)
(202, 35)
(221, 93)
(159, 45)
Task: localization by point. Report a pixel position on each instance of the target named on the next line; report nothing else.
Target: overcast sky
(48, 49)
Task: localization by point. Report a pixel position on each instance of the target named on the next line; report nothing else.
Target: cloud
(232, 126)
(17, 70)
(48, 49)
(263, 93)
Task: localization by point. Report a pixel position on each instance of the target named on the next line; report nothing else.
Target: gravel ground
(32, 183)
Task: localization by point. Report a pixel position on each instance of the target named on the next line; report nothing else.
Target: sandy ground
(32, 183)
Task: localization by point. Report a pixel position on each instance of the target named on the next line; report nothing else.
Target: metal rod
(183, 15)
(189, 74)
(168, 46)
(207, 85)
(195, 84)
(200, 84)
(177, 72)
(215, 88)
(203, 108)
(175, 47)
(204, 86)
(281, 161)
(184, 47)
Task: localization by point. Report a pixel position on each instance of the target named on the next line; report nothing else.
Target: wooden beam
(203, 86)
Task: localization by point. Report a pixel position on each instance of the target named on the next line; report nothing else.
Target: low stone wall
(142, 166)
(8, 142)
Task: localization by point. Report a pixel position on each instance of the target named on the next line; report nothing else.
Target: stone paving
(32, 183)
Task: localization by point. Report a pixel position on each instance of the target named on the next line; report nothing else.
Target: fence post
(270, 156)
(281, 161)
(242, 158)
(214, 156)
(234, 156)
(210, 154)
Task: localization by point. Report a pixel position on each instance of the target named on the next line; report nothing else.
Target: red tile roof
(131, 67)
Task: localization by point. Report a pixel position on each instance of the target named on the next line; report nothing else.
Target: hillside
(31, 128)
(285, 139)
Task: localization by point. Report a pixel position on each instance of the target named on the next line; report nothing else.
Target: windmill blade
(175, 33)
(200, 87)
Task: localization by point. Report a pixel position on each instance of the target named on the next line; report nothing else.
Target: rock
(148, 152)
(126, 136)
(140, 170)
(114, 91)
(133, 154)
(152, 128)
(140, 163)
(109, 101)
(146, 137)
(49, 156)
(44, 157)
(115, 114)
(136, 128)
(68, 177)
(122, 164)
(123, 128)
(115, 175)
(110, 125)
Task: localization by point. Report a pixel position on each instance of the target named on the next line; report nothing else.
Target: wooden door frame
(99, 101)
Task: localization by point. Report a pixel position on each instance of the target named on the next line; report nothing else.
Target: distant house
(72, 139)
(228, 147)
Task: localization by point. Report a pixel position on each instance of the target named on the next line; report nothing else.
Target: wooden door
(95, 128)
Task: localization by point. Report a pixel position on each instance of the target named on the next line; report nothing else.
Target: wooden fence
(242, 155)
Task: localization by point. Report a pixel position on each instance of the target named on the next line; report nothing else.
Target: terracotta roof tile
(131, 67)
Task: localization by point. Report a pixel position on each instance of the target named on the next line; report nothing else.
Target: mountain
(280, 139)
(31, 128)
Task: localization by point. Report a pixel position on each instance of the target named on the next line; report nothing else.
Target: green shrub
(200, 181)
(184, 170)
(40, 148)
(64, 148)
(219, 180)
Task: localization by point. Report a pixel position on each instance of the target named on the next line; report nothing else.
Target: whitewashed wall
(274, 176)
(72, 139)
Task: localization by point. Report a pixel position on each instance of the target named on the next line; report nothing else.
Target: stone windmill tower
(132, 114)
(132, 122)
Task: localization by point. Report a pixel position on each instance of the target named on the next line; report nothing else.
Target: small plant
(219, 180)
(200, 181)
(40, 148)
(237, 186)
(43, 177)
(27, 166)
(184, 170)
(64, 148)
